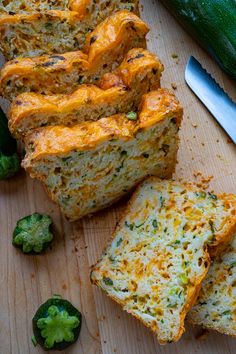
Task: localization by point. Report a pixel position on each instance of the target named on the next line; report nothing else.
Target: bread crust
(105, 49)
(215, 306)
(118, 92)
(83, 7)
(46, 32)
(87, 138)
(59, 140)
(193, 293)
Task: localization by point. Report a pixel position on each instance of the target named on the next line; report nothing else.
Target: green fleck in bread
(118, 92)
(159, 255)
(105, 49)
(216, 305)
(51, 31)
(89, 166)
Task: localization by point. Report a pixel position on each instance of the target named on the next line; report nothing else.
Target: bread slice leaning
(105, 49)
(52, 31)
(118, 92)
(88, 167)
(159, 255)
(216, 305)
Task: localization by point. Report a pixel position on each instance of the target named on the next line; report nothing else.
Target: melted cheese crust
(89, 166)
(52, 31)
(158, 257)
(93, 8)
(120, 91)
(216, 305)
(105, 49)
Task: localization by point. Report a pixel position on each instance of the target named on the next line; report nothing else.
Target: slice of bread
(105, 49)
(91, 165)
(216, 305)
(159, 256)
(119, 92)
(23, 6)
(52, 31)
(38, 33)
(98, 9)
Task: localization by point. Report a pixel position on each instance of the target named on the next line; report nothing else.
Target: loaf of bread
(97, 9)
(159, 256)
(119, 92)
(216, 305)
(105, 49)
(88, 167)
(52, 31)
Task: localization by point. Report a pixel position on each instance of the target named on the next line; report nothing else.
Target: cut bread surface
(91, 165)
(119, 92)
(105, 49)
(159, 256)
(216, 305)
(52, 31)
(49, 32)
(94, 9)
(23, 6)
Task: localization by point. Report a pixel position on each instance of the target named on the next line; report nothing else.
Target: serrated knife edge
(212, 95)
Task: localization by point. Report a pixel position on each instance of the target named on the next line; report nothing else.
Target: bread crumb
(202, 181)
(202, 335)
(194, 125)
(174, 56)
(174, 86)
(229, 141)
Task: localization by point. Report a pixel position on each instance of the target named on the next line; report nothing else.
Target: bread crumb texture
(117, 92)
(159, 256)
(50, 30)
(89, 166)
(216, 306)
(62, 72)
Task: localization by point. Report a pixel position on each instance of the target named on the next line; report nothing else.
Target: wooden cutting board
(26, 281)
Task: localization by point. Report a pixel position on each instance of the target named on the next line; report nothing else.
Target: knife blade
(212, 95)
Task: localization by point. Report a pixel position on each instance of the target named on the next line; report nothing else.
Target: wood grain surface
(26, 281)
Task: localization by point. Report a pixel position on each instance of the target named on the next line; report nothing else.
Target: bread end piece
(88, 167)
(159, 255)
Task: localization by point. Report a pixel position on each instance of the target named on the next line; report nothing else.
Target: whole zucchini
(213, 24)
(9, 160)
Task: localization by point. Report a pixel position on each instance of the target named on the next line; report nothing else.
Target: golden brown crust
(195, 290)
(45, 69)
(59, 140)
(118, 89)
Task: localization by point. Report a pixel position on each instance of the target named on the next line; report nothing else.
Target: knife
(212, 95)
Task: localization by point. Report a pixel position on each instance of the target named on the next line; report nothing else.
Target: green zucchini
(213, 24)
(9, 159)
(56, 324)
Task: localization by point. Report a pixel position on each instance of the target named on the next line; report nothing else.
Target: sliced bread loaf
(91, 165)
(119, 92)
(98, 9)
(159, 256)
(23, 6)
(49, 32)
(105, 49)
(216, 305)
